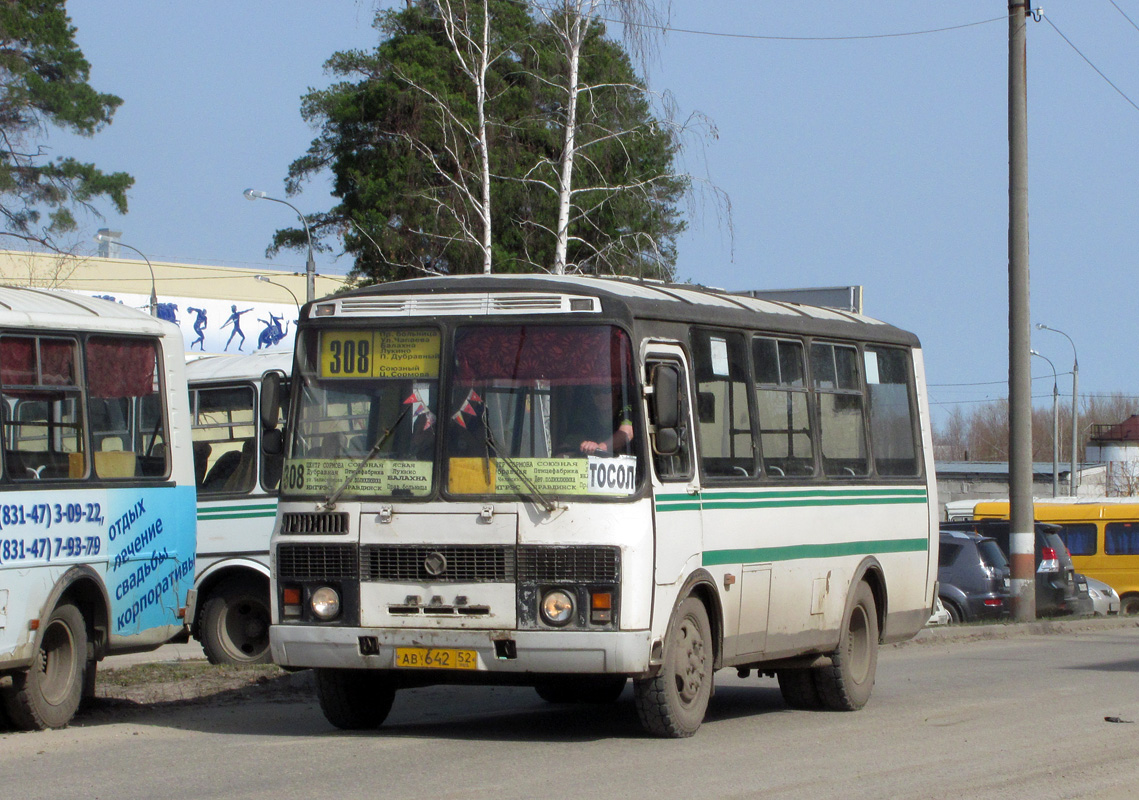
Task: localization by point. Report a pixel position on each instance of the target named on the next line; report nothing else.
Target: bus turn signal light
(601, 607)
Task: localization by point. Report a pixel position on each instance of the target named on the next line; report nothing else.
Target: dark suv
(1056, 591)
(973, 577)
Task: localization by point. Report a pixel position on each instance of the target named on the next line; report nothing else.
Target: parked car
(1105, 600)
(1056, 591)
(973, 577)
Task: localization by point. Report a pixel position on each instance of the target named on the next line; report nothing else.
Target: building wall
(201, 300)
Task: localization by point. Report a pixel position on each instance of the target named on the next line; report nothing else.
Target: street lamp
(1075, 408)
(310, 267)
(1055, 425)
(103, 238)
(263, 279)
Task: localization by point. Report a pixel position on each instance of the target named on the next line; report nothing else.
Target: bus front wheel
(846, 684)
(1129, 605)
(673, 703)
(354, 699)
(47, 694)
(235, 624)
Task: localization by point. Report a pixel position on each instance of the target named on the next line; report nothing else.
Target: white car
(1105, 600)
(940, 615)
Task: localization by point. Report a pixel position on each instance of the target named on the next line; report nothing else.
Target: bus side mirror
(666, 408)
(270, 400)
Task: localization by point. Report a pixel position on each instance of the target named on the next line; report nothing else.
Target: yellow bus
(1102, 534)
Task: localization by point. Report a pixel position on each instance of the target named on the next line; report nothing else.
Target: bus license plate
(435, 658)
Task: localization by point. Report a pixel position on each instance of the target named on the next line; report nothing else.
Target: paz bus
(237, 504)
(759, 494)
(1101, 533)
(97, 531)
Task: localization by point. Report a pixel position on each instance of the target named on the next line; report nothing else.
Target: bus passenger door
(675, 482)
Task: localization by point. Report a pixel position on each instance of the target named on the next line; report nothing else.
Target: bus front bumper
(501, 652)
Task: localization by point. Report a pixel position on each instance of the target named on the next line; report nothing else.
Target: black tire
(235, 624)
(955, 615)
(594, 689)
(798, 689)
(846, 684)
(673, 703)
(47, 694)
(1129, 605)
(354, 699)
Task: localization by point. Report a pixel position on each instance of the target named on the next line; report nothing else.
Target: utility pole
(1022, 538)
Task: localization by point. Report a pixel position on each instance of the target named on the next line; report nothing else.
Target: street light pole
(263, 279)
(1072, 479)
(153, 293)
(1055, 426)
(310, 267)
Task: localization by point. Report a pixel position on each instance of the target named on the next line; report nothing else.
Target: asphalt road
(974, 714)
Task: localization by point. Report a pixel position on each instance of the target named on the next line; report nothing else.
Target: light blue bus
(97, 501)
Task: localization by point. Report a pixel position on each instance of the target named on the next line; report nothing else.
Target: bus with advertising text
(237, 503)
(97, 528)
(574, 482)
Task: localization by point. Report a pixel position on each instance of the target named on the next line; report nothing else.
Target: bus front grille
(307, 522)
(437, 563)
(299, 562)
(573, 564)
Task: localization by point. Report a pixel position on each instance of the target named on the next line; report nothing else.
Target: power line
(1088, 60)
(1120, 10)
(765, 37)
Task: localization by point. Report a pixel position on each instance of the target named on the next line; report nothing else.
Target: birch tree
(580, 183)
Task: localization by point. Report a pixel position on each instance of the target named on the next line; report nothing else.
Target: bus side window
(892, 437)
(785, 436)
(44, 434)
(839, 405)
(725, 433)
(225, 435)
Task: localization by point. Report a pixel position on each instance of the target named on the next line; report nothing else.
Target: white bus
(570, 482)
(237, 503)
(96, 495)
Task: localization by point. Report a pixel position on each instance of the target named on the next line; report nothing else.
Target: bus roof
(641, 298)
(46, 308)
(222, 367)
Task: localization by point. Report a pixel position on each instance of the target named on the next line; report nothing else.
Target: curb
(1013, 630)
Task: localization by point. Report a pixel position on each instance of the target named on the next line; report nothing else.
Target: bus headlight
(325, 603)
(557, 608)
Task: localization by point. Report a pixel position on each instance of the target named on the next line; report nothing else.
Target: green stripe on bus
(789, 498)
(754, 555)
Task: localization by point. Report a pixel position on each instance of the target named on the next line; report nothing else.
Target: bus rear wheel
(798, 689)
(1129, 605)
(235, 624)
(673, 703)
(47, 694)
(354, 699)
(846, 684)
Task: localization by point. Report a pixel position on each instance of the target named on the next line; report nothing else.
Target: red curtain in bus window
(17, 361)
(557, 354)
(57, 362)
(120, 367)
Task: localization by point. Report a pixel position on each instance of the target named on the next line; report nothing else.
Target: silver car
(1105, 600)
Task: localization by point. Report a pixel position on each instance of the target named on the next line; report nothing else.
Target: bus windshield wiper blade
(330, 503)
(536, 495)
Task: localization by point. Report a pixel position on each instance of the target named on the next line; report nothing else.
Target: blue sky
(873, 161)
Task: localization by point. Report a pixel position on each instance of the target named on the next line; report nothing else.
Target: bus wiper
(536, 495)
(330, 503)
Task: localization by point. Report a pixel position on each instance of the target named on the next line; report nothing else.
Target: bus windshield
(531, 410)
(366, 416)
(541, 409)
